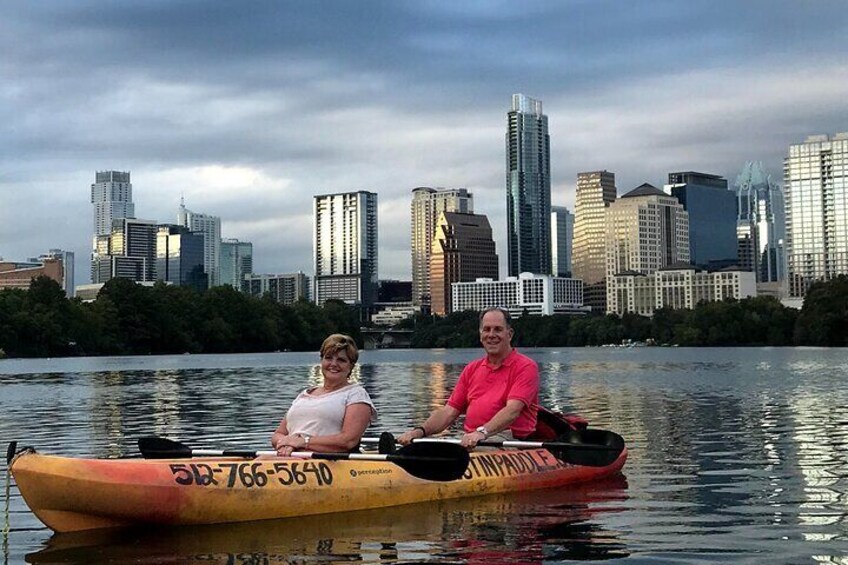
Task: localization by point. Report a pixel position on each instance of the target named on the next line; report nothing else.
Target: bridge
(385, 338)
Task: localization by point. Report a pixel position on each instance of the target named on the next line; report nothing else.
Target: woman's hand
(287, 444)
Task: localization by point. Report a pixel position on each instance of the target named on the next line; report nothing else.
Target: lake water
(736, 456)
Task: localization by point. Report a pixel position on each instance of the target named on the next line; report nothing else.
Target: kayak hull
(73, 494)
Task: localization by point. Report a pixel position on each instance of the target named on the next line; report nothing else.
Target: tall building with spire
(816, 189)
(595, 192)
(760, 224)
(528, 188)
(111, 196)
(427, 205)
(345, 247)
(210, 227)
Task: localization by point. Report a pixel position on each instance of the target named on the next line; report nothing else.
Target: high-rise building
(816, 189)
(111, 195)
(67, 258)
(562, 232)
(427, 204)
(210, 227)
(463, 250)
(712, 217)
(595, 192)
(285, 289)
(760, 225)
(646, 230)
(528, 188)
(179, 257)
(236, 262)
(129, 252)
(345, 247)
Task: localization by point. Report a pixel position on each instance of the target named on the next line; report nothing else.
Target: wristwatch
(483, 430)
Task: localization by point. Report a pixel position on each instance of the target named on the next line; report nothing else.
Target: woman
(331, 417)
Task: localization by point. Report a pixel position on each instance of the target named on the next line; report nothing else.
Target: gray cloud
(248, 110)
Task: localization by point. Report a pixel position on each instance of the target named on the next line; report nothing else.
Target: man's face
(494, 333)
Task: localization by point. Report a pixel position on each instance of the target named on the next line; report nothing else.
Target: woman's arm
(279, 434)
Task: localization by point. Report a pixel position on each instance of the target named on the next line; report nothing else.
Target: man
(499, 393)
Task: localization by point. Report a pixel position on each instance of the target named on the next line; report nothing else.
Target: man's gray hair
(502, 310)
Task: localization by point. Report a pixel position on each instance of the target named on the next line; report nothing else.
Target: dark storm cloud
(249, 109)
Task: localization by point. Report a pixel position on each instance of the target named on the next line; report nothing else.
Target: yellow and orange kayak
(72, 494)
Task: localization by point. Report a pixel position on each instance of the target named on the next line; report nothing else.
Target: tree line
(131, 319)
(759, 321)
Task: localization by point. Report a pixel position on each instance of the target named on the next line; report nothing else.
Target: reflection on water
(735, 455)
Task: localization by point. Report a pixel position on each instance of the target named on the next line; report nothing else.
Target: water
(736, 455)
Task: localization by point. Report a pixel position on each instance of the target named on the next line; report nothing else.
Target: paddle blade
(387, 443)
(154, 447)
(609, 446)
(432, 461)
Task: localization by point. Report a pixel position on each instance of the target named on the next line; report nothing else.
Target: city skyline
(250, 114)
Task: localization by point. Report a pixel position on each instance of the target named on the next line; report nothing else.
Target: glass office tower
(712, 217)
(816, 189)
(528, 188)
(760, 226)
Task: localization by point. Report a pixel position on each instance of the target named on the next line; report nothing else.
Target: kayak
(72, 494)
(369, 536)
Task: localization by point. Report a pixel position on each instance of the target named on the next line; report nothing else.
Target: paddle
(431, 461)
(591, 448)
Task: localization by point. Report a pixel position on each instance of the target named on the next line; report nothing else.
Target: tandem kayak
(73, 494)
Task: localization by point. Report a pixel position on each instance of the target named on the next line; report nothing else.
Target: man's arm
(438, 421)
(502, 420)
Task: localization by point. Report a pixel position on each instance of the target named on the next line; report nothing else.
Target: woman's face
(336, 365)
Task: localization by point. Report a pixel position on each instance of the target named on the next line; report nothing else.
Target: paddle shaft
(513, 443)
(314, 455)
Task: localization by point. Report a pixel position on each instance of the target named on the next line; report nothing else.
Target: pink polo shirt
(482, 391)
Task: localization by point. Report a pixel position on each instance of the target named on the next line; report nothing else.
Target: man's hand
(470, 440)
(407, 437)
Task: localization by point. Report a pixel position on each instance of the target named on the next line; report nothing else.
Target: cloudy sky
(249, 109)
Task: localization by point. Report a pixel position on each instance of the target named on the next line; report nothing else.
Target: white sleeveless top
(323, 415)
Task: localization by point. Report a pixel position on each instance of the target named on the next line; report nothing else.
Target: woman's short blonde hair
(340, 342)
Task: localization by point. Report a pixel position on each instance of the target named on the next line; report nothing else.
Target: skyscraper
(463, 250)
(179, 257)
(236, 262)
(816, 190)
(111, 195)
(528, 188)
(345, 247)
(129, 252)
(210, 227)
(595, 191)
(562, 232)
(646, 230)
(427, 205)
(712, 217)
(760, 225)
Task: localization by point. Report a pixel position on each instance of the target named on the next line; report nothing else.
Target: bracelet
(423, 431)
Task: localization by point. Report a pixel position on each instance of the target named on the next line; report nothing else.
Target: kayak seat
(550, 425)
